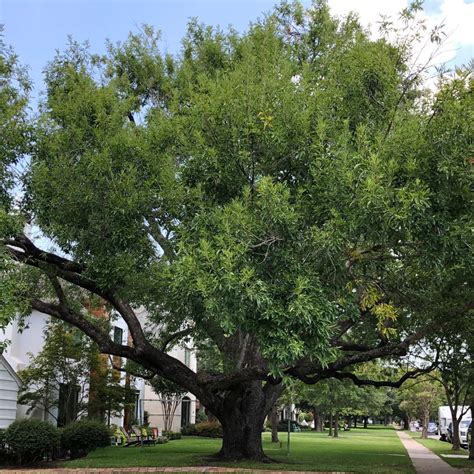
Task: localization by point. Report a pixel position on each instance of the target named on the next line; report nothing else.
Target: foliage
(31, 441)
(107, 396)
(283, 426)
(201, 416)
(420, 399)
(14, 124)
(455, 370)
(63, 364)
(172, 435)
(3, 447)
(208, 429)
(189, 430)
(83, 436)
(69, 363)
(291, 195)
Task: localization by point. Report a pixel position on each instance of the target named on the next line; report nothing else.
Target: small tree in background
(170, 395)
(58, 374)
(419, 399)
(69, 378)
(454, 373)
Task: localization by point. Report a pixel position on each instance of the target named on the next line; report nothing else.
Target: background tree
(170, 396)
(108, 395)
(291, 195)
(454, 373)
(420, 399)
(61, 368)
(70, 376)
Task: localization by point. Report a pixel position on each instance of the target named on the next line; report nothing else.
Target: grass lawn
(441, 447)
(371, 450)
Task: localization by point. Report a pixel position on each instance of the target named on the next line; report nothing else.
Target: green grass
(372, 450)
(441, 447)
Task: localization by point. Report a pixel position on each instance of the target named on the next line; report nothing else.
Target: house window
(185, 411)
(68, 403)
(187, 357)
(118, 335)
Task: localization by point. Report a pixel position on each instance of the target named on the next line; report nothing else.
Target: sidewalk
(424, 460)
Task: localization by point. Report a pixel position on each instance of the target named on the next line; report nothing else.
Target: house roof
(10, 370)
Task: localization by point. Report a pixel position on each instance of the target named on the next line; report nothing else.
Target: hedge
(31, 441)
(82, 437)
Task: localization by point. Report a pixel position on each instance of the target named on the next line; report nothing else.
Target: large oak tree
(289, 195)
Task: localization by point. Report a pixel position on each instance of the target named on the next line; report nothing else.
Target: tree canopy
(291, 194)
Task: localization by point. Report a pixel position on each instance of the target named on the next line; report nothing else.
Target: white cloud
(456, 15)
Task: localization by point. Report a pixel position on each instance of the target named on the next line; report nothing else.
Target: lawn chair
(155, 433)
(142, 436)
(129, 440)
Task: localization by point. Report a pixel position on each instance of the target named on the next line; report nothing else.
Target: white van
(445, 424)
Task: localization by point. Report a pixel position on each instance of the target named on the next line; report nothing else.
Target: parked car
(464, 425)
(432, 428)
(463, 429)
(449, 433)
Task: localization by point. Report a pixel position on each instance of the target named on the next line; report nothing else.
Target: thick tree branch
(131, 372)
(413, 374)
(155, 232)
(174, 336)
(30, 249)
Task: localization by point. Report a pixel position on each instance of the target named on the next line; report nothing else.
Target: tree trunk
(330, 424)
(355, 421)
(336, 425)
(318, 421)
(274, 423)
(456, 440)
(242, 413)
(406, 422)
(425, 419)
(471, 444)
(366, 420)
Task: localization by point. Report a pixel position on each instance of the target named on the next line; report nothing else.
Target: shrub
(172, 435)
(189, 430)
(3, 447)
(201, 416)
(81, 437)
(209, 429)
(294, 426)
(31, 441)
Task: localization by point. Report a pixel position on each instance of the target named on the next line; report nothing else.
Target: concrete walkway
(424, 460)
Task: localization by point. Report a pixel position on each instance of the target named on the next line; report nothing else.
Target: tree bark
(242, 414)
(330, 424)
(424, 421)
(274, 423)
(406, 422)
(318, 421)
(455, 436)
(355, 421)
(366, 420)
(336, 425)
(471, 444)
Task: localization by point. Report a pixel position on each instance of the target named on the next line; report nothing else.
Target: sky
(36, 28)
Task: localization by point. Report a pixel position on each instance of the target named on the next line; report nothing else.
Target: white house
(21, 345)
(9, 385)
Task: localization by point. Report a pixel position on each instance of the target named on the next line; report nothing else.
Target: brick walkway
(425, 461)
(139, 470)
